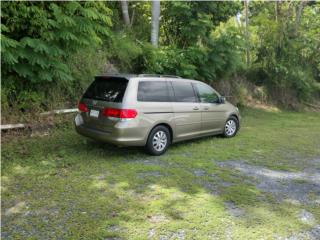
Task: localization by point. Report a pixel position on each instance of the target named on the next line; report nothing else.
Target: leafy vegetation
(39, 38)
(61, 186)
(51, 50)
(285, 48)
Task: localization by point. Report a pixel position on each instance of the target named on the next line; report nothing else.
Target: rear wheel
(231, 127)
(158, 141)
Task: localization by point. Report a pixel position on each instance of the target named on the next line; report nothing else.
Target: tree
(246, 13)
(299, 10)
(189, 23)
(286, 59)
(155, 22)
(189, 47)
(125, 12)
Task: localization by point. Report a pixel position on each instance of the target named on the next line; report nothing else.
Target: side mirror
(222, 99)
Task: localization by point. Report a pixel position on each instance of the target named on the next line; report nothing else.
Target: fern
(37, 38)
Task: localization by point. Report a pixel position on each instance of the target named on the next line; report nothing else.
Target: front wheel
(158, 140)
(231, 127)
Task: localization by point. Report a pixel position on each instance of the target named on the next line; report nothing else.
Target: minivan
(153, 111)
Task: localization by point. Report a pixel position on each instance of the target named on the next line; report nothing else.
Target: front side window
(153, 91)
(183, 92)
(207, 94)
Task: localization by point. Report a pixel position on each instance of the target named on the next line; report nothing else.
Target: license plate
(94, 113)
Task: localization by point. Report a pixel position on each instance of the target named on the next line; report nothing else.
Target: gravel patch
(150, 174)
(151, 233)
(149, 162)
(233, 210)
(306, 217)
(210, 187)
(113, 228)
(283, 185)
(312, 234)
(199, 173)
(157, 218)
(179, 235)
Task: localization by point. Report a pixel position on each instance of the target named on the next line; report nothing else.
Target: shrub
(39, 38)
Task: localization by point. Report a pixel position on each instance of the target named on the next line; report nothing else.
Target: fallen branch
(312, 105)
(12, 126)
(21, 125)
(61, 111)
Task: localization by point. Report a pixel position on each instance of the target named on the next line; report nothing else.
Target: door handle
(195, 108)
(206, 108)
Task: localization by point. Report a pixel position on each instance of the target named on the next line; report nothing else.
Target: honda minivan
(153, 111)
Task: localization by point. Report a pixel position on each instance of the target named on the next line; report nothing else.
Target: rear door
(104, 92)
(186, 110)
(212, 112)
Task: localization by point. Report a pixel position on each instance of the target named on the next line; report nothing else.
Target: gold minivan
(153, 111)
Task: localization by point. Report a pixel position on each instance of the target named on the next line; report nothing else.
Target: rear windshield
(110, 89)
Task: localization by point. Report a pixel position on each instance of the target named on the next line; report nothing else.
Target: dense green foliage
(286, 48)
(191, 48)
(38, 38)
(51, 50)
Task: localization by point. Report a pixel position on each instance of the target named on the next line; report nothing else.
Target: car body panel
(187, 118)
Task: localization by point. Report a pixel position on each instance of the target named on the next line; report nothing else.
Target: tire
(158, 141)
(231, 127)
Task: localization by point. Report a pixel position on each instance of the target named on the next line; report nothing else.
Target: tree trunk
(155, 22)
(276, 9)
(125, 12)
(247, 31)
(298, 14)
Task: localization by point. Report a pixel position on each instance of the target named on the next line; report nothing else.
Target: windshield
(110, 89)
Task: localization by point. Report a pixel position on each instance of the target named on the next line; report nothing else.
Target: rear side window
(183, 92)
(110, 89)
(153, 91)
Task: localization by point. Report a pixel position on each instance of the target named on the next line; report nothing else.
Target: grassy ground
(62, 186)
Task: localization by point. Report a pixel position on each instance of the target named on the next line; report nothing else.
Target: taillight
(82, 107)
(120, 113)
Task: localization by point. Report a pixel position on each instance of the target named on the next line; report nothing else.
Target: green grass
(63, 186)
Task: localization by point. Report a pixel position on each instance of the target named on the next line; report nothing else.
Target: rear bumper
(119, 135)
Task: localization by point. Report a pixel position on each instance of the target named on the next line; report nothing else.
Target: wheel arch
(235, 116)
(167, 125)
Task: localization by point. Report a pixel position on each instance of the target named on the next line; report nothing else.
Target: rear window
(183, 92)
(110, 89)
(153, 91)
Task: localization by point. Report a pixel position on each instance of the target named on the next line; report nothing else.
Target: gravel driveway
(301, 188)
